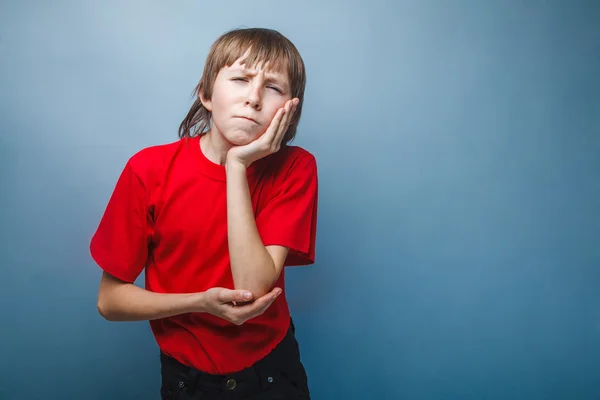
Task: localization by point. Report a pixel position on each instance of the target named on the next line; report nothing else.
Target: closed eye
(242, 79)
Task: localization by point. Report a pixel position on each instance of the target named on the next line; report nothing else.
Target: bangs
(264, 47)
(269, 57)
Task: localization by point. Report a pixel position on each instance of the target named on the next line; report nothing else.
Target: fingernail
(247, 295)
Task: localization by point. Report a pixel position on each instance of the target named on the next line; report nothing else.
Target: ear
(206, 103)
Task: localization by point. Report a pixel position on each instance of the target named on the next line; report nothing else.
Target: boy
(213, 219)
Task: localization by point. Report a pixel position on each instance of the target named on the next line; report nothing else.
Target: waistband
(282, 359)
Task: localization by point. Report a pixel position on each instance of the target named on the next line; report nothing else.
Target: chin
(240, 138)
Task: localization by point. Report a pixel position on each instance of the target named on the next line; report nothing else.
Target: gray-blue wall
(458, 145)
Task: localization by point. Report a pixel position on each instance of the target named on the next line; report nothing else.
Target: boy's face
(245, 99)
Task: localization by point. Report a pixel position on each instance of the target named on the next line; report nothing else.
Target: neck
(215, 147)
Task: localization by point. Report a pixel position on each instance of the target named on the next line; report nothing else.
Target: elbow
(260, 291)
(105, 311)
(259, 288)
(260, 279)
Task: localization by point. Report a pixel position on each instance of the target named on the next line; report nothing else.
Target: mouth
(248, 119)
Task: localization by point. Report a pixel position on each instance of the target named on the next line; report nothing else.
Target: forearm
(252, 266)
(120, 301)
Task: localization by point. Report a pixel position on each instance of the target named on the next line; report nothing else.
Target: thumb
(227, 295)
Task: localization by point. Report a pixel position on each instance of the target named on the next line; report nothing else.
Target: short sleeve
(290, 218)
(120, 244)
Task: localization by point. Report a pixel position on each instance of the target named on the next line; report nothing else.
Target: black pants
(278, 376)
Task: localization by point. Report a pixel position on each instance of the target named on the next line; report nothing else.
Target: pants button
(231, 383)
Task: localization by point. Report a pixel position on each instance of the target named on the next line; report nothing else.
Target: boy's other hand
(269, 142)
(224, 303)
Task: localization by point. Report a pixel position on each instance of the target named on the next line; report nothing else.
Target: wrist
(234, 164)
(196, 302)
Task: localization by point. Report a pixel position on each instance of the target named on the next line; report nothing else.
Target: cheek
(223, 96)
(272, 110)
(219, 102)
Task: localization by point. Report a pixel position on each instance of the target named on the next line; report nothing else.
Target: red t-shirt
(167, 214)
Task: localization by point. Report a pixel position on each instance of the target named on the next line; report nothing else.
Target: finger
(273, 128)
(279, 121)
(266, 299)
(285, 122)
(228, 296)
(283, 125)
(264, 308)
(254, 308)
(269, 302)
(289, 116)
(259, 311)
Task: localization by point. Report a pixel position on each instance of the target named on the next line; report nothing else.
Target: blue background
(458, 145)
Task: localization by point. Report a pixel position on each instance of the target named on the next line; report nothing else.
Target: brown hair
(266, 45)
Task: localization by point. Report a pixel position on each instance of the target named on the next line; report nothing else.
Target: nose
(253, 98)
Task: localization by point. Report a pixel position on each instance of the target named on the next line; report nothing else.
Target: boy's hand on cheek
(269, 142)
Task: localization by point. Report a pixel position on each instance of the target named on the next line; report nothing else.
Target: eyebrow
(269, 77)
